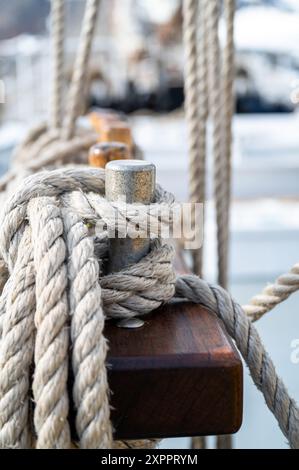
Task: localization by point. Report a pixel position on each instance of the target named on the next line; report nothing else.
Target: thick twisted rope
(228, 75)
(40, 230)
(227, 82)
(247, 339)
(273, 294)
(80, 66)
(51, 322)
(89, 345)
(16, 349)
(57, 23)
(195, 113)
(150, 285)
(196, 109)
(48, 151)
(216, 112)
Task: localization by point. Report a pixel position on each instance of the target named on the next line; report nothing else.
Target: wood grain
(179, 375)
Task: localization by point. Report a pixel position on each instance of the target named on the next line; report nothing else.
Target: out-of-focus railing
(25, 70)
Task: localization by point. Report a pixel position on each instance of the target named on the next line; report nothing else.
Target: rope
(55, 285)
(203, 104)
(51, 280)
(216, 111)
(57, 21)
(227, 76)
(201, 21)
(80, 67)
(196, 116)
(52, 155)
(247, 339)
(273, 294)
(195, 112)
(51, 317)
(44, 146)
(17, 350)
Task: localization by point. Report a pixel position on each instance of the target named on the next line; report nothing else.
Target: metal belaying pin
(133, 181)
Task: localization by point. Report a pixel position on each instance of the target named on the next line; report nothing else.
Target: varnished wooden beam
(179, 375)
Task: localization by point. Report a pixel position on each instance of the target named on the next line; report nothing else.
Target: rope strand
(57, 22)
(80, 67)
(196, 125)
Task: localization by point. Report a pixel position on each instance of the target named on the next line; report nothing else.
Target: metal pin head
(131, 323)
(133, 179)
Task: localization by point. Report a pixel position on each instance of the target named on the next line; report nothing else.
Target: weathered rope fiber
(273, 294)
(57, 23)
(49, 145)
(247, 339)
(55, 301)
(228, 75)
(224, 180)
(62, 290)
(217, 117)
(194, 109)
(80, 66)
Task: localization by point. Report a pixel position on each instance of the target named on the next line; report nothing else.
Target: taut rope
(194, 111)
(57, 17)
(80, 67)
(273, 294)
(209, 93)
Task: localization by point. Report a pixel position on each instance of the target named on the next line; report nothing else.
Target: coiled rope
(55, 296)
(56, 143)
(55, 302)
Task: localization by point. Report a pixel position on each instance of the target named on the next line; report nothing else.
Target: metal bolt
(134, 180)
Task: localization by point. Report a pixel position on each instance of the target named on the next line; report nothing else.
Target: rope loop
(55, 301)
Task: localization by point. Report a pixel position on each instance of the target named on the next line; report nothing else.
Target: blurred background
(137, 67)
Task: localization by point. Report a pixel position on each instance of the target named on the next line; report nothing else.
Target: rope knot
(57, 295)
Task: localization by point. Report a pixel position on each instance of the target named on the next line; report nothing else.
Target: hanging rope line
(216, 114)
(227, 83)
(80, 67)
(196, 108)
(47, 144)
(228, 75)
(194, 112)
(273, 294)
(57, 24)
(209, 91)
